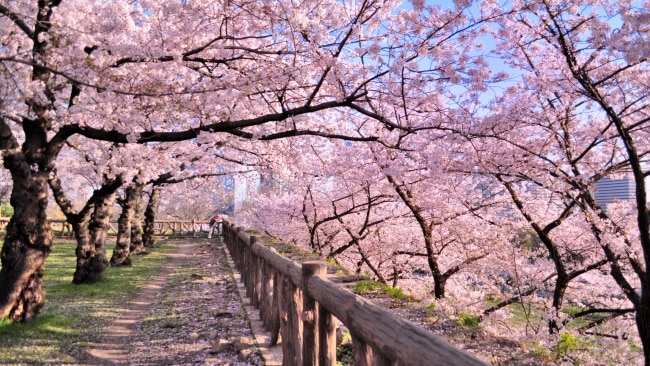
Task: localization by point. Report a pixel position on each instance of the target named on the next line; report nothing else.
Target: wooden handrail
(299, 304)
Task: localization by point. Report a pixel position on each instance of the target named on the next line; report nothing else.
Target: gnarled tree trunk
(122, 252)
(137, 242)
(150, 217)
(28, 241)
(88, 224)
(91, 252)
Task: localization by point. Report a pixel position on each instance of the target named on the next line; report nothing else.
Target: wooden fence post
(274, 324)
(290, 324)
(311, 347)
(255, 271)
(327, 337)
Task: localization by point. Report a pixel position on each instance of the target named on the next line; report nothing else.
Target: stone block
(243, 354)
(241, 343)
(220, 345)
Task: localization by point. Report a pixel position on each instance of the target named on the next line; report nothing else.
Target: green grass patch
(394, 292)
(339, 270)
(364, 287)
(583, 320)
(468, 320)
(572, 310)
(539, 351)
(634, 347)
(567, 344)
(74, 315)
(47, 324)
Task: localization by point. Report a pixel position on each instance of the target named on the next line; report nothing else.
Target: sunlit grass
(365, 287)
(75, 315)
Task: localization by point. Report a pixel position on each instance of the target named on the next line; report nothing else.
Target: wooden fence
(161, 227)
(300, 306)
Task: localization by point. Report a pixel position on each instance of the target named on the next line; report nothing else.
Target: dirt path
(118, 335)
(183, 316)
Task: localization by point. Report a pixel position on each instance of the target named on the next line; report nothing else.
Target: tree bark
(150, 217)
(439, 279)
(137, 241)
(28, 240)
(91, 253)
(122, 252)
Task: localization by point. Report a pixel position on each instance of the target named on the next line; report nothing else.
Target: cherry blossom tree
(145, 72)
(577, 112)
(367, 210)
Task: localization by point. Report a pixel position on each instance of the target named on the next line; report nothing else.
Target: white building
(246, 188)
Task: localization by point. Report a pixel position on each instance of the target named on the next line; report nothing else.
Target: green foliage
(347, 337)
(344, 355)
(6, 210)
(468, 320)
(566, 344)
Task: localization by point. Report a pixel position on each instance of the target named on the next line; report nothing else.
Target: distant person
(215, 225)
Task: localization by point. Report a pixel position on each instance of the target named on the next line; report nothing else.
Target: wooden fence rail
(299, 306)
(161, 227)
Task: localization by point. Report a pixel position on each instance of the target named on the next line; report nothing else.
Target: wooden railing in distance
(298, 304)
(161, 227)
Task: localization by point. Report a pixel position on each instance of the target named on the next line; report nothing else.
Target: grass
(468, 320)
(367, 287)
(522, 313)
(75, 315)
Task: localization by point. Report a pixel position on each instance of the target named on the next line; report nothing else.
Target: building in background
(609, 190)
(246, 188)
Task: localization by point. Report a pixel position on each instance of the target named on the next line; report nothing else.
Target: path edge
(272, 355)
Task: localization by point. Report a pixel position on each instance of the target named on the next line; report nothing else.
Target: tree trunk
(439, 280)
(91, 247)
(27, 244)
(137, 242)
(643, 323)
(150, 217)
(561, 284)
(28, 240)
(91, 254)
(122, 252)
